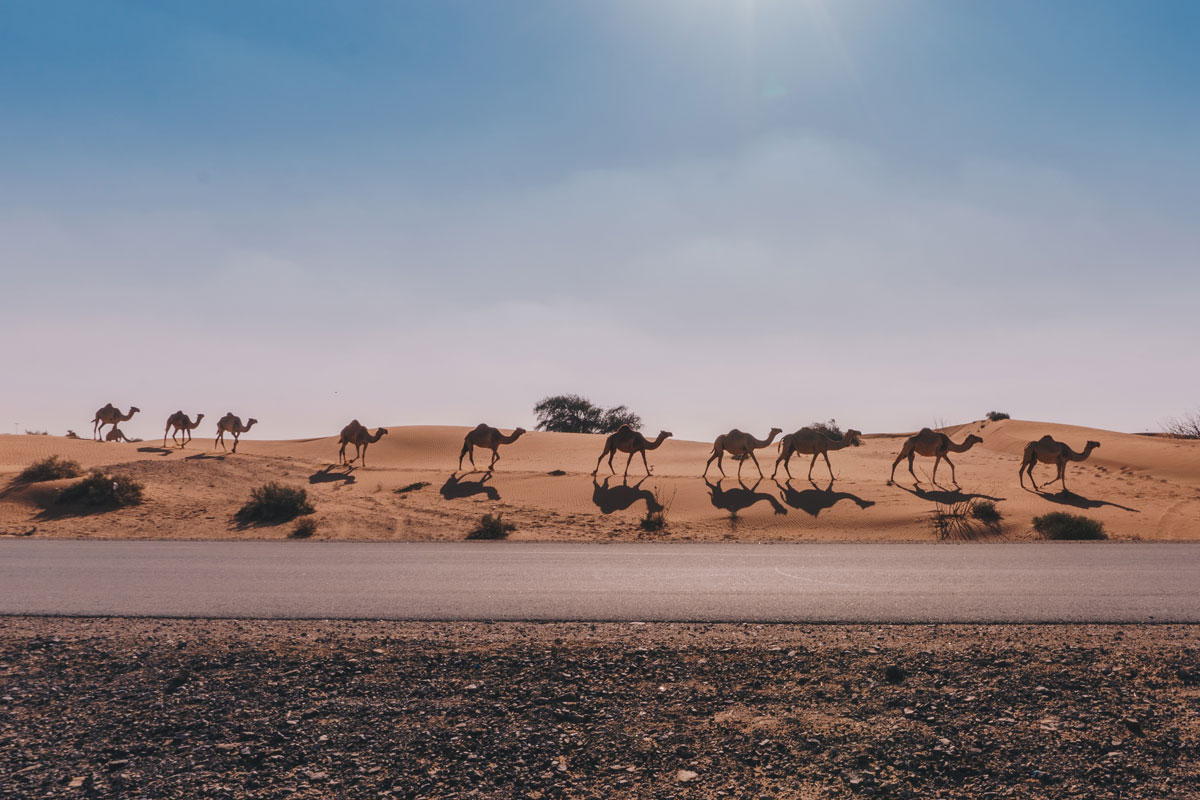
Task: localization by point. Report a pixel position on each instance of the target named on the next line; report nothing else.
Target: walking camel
(180, 422)
(485, 435)
(741, 446)
(356, 434)
(110, 415)
(1047, 450)
(810, 441)
(627, 440)
(231, 424)
(932, 444)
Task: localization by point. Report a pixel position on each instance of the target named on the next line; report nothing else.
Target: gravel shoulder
(224, 709)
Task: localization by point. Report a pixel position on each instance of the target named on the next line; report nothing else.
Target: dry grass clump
(49, 469)
(492, 526)
(970, 519)
(1061, 526)
(1184, 427)
(305, 528)
(273, 503)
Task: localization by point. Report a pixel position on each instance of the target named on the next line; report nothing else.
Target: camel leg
(612, 454)
(187, 437)
(827, 465)
(776, 470)
(465, 448)
(936, 461)
(220, 440)
(495, 458)
(709, 464)
(628, 461)
(1062, 476)
(364, 455)
(1031, 480)
(810, 465)
(598, 460)
(756, 466)
(899, 458)
(911, 456)
(741, 464)
(236, 436)
(165, 435)
(953, 477)
(644, 462)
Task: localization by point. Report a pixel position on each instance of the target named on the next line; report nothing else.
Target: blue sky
(719, 213)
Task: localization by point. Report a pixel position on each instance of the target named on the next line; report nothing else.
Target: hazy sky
(718, 213)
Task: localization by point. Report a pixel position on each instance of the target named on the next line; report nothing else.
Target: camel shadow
(814, 501)
(162, 451)
(618, 498)
(947, 497)
(327, 475)
(455, 488)
(204, 457)
(740, 498)
(1066, 497)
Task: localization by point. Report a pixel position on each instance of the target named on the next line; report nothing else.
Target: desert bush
(973, 518)
(570, 413)
(1184, 427)
(1060, 525)
(305, 528)
(830, 428)
(99, 490)
(996, 416)
(557, 473)
(36, 433)
(655, 519)
(412, 487)
(492, 526)
(273, 503)
(52, 468)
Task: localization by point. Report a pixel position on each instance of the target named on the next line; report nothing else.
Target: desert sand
(1141, 488)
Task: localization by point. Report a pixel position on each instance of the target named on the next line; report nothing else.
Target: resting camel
(231, 424)
(741, 446)
(627, 440)
(180, 422)
(1047, 450)
(116, 435)
(360, 437)
(485, 435)
(815, 442)
(930, 443)
(110, 415)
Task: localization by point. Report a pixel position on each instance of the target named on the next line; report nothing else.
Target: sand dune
(1140, 487)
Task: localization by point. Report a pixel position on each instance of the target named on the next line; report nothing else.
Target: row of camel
(179, 426)
(739, 445)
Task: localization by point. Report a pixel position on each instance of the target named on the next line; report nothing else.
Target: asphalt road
(1036, 582)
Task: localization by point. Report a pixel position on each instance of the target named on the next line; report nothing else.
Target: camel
(627, 440)
(814, 442)
(356, 434)
(116, 435)
(485, 435)
(931, 443)
(231, 424)
(181, 423)
(1048, 451)
(741, 446)
(110, 415)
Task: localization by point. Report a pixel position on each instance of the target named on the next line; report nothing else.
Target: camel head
(853, 437)
(665, 434)
(519, 431)
(381, 432)
(198, 418)
(774, 432)
(1092, 445)
(973, 439)
(134, 409)
(251, 421)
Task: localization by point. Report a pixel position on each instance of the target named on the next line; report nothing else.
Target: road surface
(1033, 582)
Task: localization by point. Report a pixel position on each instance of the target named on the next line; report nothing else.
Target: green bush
(98, 490)
(492, 526)
(273, 503)
(1060, 525)
(830, 428)
(996, 416)
(49, 469)
(305, 528)
(986, 512)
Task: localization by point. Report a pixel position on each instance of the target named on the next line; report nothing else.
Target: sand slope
(1140, 487)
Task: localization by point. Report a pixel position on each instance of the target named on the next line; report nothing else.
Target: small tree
(570, 413)
(996, 416)
(1185, 427)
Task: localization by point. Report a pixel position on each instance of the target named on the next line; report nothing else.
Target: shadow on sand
(204, 457)
(815, 500)
(622, 496)
(1069, 498)
(946, 496)
(328, 475)
(455, 488)
(740, 497)
(162, 451)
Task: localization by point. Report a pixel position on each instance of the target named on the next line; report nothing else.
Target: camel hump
(1046, 438)
(926, 430)
(483, 426)
(624, 428)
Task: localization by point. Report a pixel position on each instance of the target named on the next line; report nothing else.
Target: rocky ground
(223, 709)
